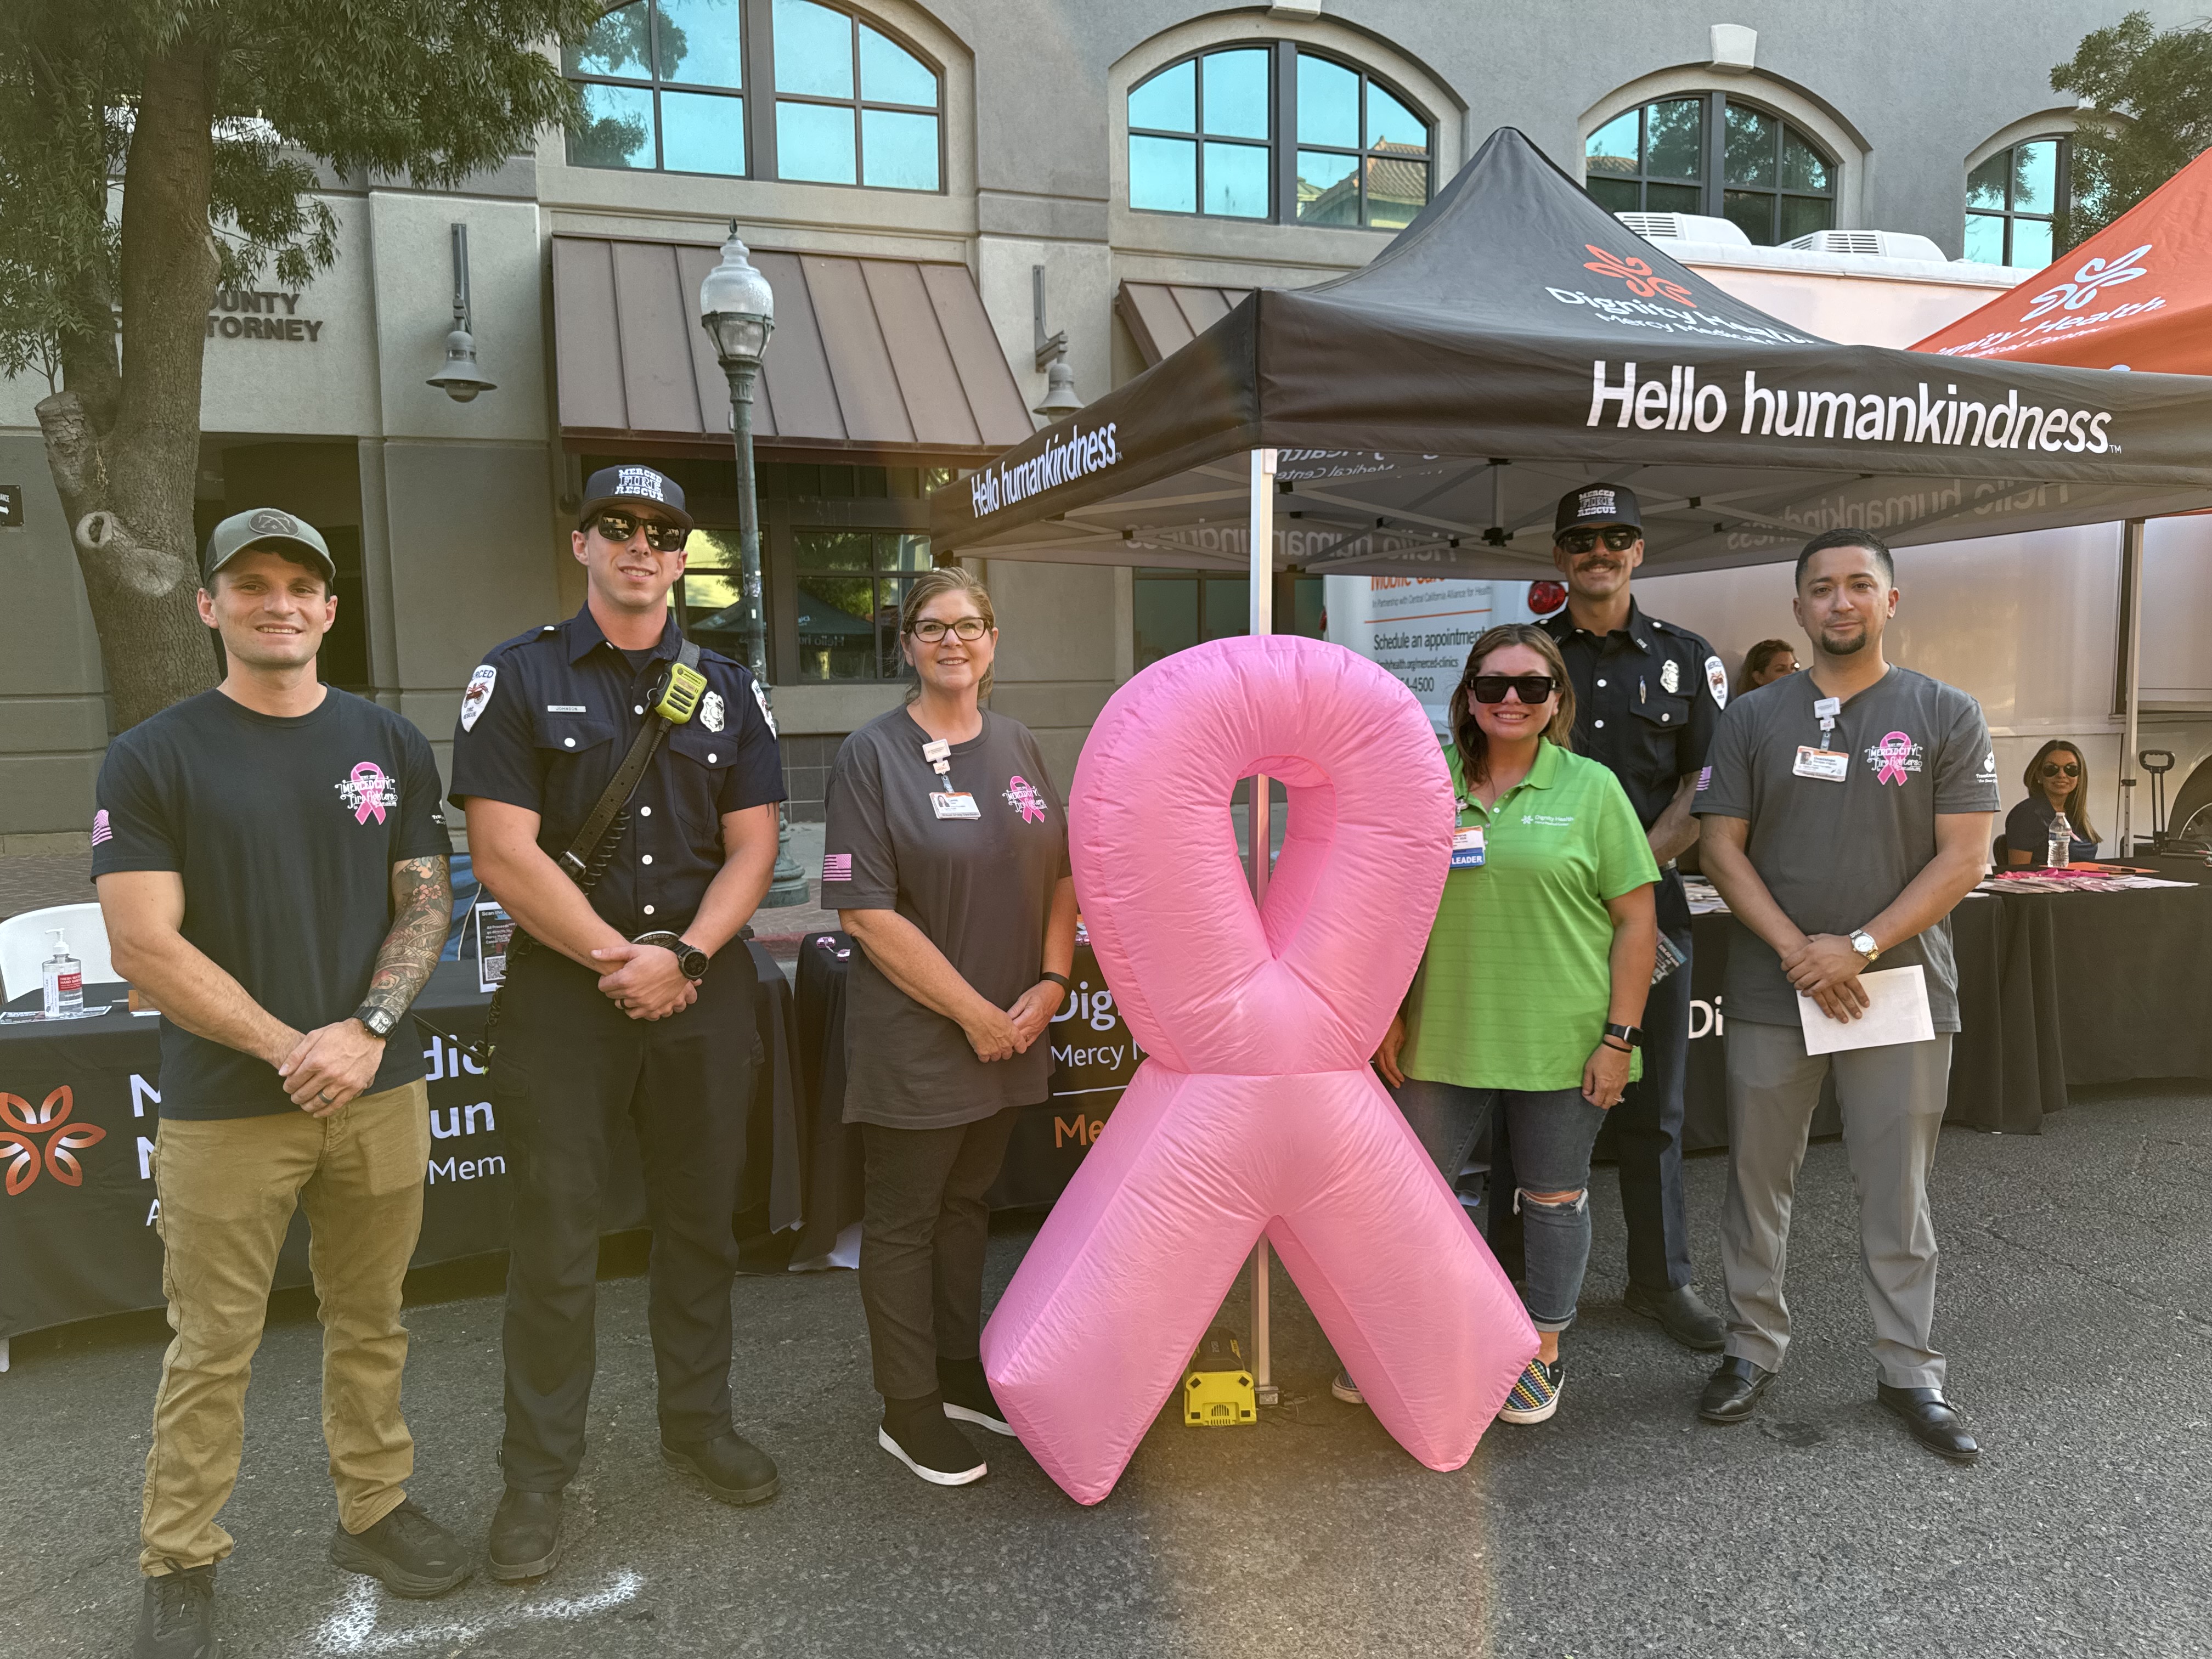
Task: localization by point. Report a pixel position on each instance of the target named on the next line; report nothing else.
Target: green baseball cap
(266, 526)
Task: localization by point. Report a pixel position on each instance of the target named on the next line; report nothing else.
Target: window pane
(1803, 167)
(1985, 185)
(1672, 198)
(899, 150)
(1612, 148)
(1389, 122)
(2035, 177)
(1164, 174)
(903, 552)
(814, 141)
(712, 614)
(891, 599)
(1166, 617)
(1228, 607)
(1397, 189)
(836, 629)
(1752, 212)
(617, 129)
(616, 45)
(1804, 215)
(1754, 136)
(1236, 180)
(1329, 103)
(702, 132)
(1617, 195)
(1674, 145)
(1169, 100)
(1237, 93)
(700, 41)
(1329, 188)
(1985, 238)
(2031, 244)
(833, 550)
(890, 74)
(813, 53)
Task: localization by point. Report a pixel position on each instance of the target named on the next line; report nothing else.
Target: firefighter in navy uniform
(632, 999)
(1647, 697)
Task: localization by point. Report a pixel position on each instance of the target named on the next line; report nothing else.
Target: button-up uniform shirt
(544, 725)
(1647, 698)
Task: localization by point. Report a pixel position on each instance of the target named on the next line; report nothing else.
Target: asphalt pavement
(2076, 1303)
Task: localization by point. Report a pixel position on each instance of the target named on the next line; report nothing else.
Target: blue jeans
(1553, 1132)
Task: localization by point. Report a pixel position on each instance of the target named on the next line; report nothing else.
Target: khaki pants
(228, 1188)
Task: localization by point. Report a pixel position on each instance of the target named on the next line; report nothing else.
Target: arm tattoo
(423, 902)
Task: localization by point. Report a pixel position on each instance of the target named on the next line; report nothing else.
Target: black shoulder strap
(576, 861)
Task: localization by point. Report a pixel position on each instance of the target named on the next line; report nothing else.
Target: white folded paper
(1897, 1011)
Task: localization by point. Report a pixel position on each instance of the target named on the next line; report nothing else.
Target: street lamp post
(736, 308)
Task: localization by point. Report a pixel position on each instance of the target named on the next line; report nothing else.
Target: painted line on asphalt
(352, 1627)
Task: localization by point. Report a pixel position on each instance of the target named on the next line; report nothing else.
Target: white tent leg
(2131, 556)
(1259, 822)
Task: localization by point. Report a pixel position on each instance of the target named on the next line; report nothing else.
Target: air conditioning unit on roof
(1877, 244)
(1684, 228)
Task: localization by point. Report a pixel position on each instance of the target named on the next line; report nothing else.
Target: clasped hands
(1827, 968)
(647, 980)
(328, 1066)
(996, 1034)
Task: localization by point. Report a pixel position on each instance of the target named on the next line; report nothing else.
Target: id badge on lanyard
(948, 802)
(1819, 761)
(1467, 852)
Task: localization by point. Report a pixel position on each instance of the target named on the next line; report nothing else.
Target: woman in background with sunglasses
(1531, 991)
(2058, 781)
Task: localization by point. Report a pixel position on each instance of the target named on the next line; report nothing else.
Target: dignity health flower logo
(2093, 275)
(1639, 276)
(20, 1142)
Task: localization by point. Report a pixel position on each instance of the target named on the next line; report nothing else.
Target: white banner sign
(1420, 628)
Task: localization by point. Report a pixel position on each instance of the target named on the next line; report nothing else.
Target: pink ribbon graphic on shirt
(368, 791)
(1022, 795)
(1895, 750)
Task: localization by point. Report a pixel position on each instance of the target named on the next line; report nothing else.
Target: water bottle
(64, 980)
(2059, 853)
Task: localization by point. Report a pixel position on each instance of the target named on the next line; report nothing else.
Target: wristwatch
(1862, 942)
(1631, 1035)
(690, 958)
(379, 1021)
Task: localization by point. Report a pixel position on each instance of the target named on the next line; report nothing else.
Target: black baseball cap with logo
(266, 526)
(1594, 507)
(640, 486)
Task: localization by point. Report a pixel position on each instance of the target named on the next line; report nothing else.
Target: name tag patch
(960, 804)
(1829, 765)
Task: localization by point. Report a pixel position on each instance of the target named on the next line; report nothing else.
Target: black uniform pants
(1646, 1128)
(569, 1064)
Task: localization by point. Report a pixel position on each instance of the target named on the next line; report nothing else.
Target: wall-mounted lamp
(1060, 399)
(460, 380)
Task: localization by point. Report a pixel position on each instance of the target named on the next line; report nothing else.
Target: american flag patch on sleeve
(101, 830)
(836, 866)
(1704, 779)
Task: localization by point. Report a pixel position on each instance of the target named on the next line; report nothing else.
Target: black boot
(968, 1396)
(176, 1615)
(733, 1468)
(918, 1433)
(525, 1536)
(407, 1551)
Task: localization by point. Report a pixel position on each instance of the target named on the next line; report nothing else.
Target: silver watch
(1862, 942)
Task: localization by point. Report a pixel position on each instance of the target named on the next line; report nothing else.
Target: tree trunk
(125, 468)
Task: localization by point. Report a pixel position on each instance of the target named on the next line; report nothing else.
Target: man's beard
(1848, 647)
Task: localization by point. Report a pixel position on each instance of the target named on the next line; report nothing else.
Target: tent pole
(2130, 677)
(1259, 818)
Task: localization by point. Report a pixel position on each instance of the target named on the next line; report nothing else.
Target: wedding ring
(324, 1096)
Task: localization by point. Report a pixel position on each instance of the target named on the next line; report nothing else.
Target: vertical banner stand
(1258, 818)
(2131, 558)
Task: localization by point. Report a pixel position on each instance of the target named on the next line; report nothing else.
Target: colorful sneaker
(1348, 1390)
(1536, 1395)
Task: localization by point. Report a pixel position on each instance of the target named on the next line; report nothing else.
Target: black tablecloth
(71, 1251)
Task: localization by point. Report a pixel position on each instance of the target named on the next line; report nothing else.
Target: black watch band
(1631, 1035)
(379, 1021)
(690, 958)
(1060, 980)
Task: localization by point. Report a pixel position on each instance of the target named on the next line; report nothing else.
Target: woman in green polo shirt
(1529, 995)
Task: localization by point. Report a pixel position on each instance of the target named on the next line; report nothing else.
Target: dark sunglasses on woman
(1533, 688)
(2060, 769)
(1618, 539)
(617, 527)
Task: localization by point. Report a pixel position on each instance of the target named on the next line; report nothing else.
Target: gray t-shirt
(979, 887)
(1834, 855)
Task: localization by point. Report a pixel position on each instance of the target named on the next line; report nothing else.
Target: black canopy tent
(1514, 341)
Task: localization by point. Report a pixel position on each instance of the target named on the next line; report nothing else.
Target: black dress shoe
(732, 1467)
(1731, 1394)
(406, 1552)
(1681, 1316)
(1934, 1421)
(176, 1615)
(525, 1536)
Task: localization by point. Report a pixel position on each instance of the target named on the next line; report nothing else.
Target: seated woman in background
(2058, 781)
(1765, 663)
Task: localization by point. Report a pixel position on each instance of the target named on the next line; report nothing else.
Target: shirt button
(711, 759)
(637, 708)
(644, 812)
(1663, 718)
(648, 909)
(568, 742)
(648, 859)
(1601, 682)
(1598, 723)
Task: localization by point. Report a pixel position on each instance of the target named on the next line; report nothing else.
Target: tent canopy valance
(1517, 340)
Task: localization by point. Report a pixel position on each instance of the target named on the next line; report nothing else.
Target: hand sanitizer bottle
(2058, 854)
(64, 980)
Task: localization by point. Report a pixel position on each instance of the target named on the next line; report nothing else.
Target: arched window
(2014, 202)
(1712, 154)
(1273, 132)
(663, 83)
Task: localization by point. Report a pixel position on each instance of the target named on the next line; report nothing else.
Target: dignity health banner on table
(1420, 628)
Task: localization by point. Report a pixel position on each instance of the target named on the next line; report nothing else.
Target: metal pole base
(787, 887)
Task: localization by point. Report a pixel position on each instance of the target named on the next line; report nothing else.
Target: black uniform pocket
(700, 766)
(1667, 713)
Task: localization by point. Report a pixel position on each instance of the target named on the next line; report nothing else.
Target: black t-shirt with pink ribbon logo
(285, 831)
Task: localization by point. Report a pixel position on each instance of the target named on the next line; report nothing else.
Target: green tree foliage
(152, 150)
(2153, 93)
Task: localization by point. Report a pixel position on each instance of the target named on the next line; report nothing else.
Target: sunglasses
(1533, 688)
(2060, 769)
(967, 629)
(1618, 539)
(661, 538)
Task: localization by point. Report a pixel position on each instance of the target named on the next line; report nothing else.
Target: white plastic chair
(27, 940)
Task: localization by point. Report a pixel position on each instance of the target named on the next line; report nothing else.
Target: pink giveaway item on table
(1255, 1108)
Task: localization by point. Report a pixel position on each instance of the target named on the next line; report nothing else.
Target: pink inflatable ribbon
(368, 791)
(1255, 1109)
(1895, 748)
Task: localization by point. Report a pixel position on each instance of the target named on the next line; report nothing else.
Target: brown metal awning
(893, 358)
(1165, 317)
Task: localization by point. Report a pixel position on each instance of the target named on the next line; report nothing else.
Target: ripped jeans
(1551, 1133)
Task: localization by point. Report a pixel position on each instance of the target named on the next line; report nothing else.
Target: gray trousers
(1893, 1102)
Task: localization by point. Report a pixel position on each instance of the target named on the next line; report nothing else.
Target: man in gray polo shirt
(1847, 811)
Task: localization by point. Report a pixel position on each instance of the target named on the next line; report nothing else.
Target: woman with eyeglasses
(945, 855)
(2058, 781)
(1529, 996)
